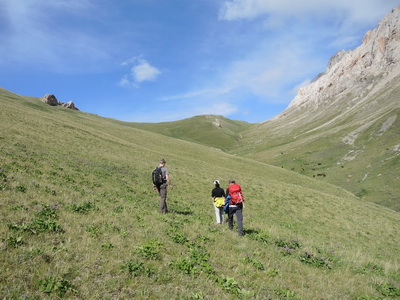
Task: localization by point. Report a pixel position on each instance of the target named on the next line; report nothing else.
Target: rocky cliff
(365, 69)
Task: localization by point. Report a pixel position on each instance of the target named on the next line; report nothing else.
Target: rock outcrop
(52, 100)
(370, 66)
(217, 123)
(69, 105)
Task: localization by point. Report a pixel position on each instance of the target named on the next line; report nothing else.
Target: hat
(216, 181)
(231, 181)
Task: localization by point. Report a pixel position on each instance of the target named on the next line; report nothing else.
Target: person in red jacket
(235, 205)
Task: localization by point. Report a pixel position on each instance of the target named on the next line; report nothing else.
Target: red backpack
(236, 194)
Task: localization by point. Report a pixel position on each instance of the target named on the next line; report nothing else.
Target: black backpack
(157, 176)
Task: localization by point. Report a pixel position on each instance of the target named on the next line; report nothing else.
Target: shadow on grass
(182, 212)
(251, 231)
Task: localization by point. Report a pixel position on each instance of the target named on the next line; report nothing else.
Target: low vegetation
(79, 219)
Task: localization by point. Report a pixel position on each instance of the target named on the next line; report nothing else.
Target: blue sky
(166, 60)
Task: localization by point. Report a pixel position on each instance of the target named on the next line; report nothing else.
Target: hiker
(218, 198)
(160, 181)
(234, 191)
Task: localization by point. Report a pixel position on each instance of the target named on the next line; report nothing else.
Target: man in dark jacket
(162, 188)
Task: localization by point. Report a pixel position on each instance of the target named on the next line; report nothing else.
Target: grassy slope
(311, 143)
(78, 215)
(200, 129)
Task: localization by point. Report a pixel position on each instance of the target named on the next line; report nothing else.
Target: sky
(167, 60)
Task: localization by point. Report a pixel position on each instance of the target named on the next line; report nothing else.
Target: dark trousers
(162, 190)
(238, 211)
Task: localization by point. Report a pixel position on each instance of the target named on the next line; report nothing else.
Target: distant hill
(79, 219)
(210, 130)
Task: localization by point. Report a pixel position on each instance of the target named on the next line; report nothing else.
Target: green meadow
(79, 219)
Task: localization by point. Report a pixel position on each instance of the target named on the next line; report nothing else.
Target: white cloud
(354, 11)
(143, 71)
(140, 72)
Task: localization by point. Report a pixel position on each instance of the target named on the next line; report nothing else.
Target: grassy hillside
(351, 141)
(79, 220)
(209, 130)
(354, 142)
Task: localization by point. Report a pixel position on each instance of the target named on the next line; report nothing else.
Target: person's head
(231, 181)
(162, 162)
(216, 182)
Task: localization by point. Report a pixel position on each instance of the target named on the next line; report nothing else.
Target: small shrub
(18, 207)
(178, 238)
(290, 244)
(44, 221)
(187, 265)
(21, 188)
(93, 230)
(57, 285)
(197, 261)
(255, 263)
(134, 268)
(18, 227)
(151, 250)
(229, 284)
(389, 289)
(44, 225)
(83, 208)
(258, 235)
(14, 241)
(48, 212)
(285, 293)
(372, 268)
(317, 260)
(107, 246)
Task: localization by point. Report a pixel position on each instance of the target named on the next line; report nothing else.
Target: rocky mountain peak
(371, 65)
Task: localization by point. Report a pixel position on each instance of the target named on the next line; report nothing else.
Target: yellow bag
(219, 201)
